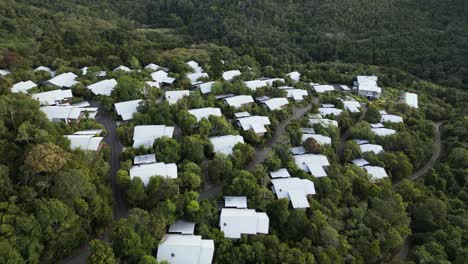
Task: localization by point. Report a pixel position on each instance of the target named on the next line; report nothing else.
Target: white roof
(4, 72)
(352, 106)
(254, 84)
(295, 76)
(360, 162)
(391, 118)
(296, 94)
(182, 227)
(46, 69)
(195, 66)
(256, 123)
(65, 112)
(281, 173)
(84, 70)
(276, 103)
(193, 77)
(144, 159)
(174, 96)
(383, 131)
(240, 100)
(52, 97)
(328, 105)
(371, 148)
(84, 142)
(122, 68)
(272, 80)
(145, 135)
(127, 109)
(206, 112)
(235, 201)
(411, 99)
(376, 172)
(241, 114)
(102, 74)
(298, 150)
(23, 87)
(146, 171)
(225, 144)
(323, 121)
(345, 88)
(330, 111)
(378, 125)
(383, 112)
(185, 249)
(104, 87)
(93, 132)
(162, 77)
(153, 84)
(361, 141)
(64, 80)
(312, 163)
(234, 222)
(323, 88)
(322, 140)
(152, 66)
(368, 84)
(229, 75)
(294, 189)
(206, 87)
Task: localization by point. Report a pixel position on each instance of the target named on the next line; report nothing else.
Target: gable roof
(296, 94)
(66, 112)
(182, 249)
(322, 140)
(254, 84)
(144, 159)
(330, 111)
(312, 163)
(411, 99)
(225, 144)
(4, 72)
(206, 87)
(368, 84)
(162, 77)
(234, 222)
(281, 173)
(84, 142)
(193, 77)
(276, 103)
(295, 76)
(229, 75)
(360, 162)
(371, 148)
(383, 131)
(23, 87)
(153, 67)
(63, 80)
(146, 171)
(146, 134)
(104, 87)
(127, 109)
(174, 96)
(182, 227)
(122, 68)
(206, 112)
(235, 201)
(323, 88)
(391, 118)
(294, 189)
(52, 97)
(239, 100)
(376, 172)
(46, 69)
(352, 106)
(256, 123)
(323, 121)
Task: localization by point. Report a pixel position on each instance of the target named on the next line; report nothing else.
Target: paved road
(403, 252)
(261, 153)
(120, 209)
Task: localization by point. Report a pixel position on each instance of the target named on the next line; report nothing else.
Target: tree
(242, 154)
(193, 148)
(101, 253)
(311, 145)
(167, 150)
(136, 192)
(220, 168)
(128, 88)
(46, 158)
(372, 114)
(186, 121)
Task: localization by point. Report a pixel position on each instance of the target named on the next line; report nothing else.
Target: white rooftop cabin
(371, 148)
(122, 68)
(281, 173)
(153, 84)
(85, 140)
(297, 94)
(152, 67)
(360, 162)
(270, 81)
(184, 247)
(276, 103)
(53, 97)
(255, 123)
(144, 159)
(147, 134)
(295, 76)
(323, 121)
(206, 88)
(235, 202)
(391, 118)
(46, 69)
(352, 106)
(382, 131)
(323, 88)
(162, 77)
(313, 163)
(294, 189)
(4, 72)
(195, 66)
(206, 112)
(127, 109)
(104, 87)
(322, 140)
(376, 172)
(367, 87)
(324, 111)
(146, 171)
(229, 75)
(193, 77)
(63, 80)
(68, 113)
(239, 100)
(174, 96)
(255, 84)
(225, 144)
(237, 221)
(23, 87)
(411, 99)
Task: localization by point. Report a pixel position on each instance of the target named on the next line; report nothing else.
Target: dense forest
(54, 200)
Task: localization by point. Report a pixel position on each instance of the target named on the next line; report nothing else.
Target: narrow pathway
(120, 209)
(344, 136)
(261, 153)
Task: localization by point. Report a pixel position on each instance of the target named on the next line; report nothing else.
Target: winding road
(120, 209)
